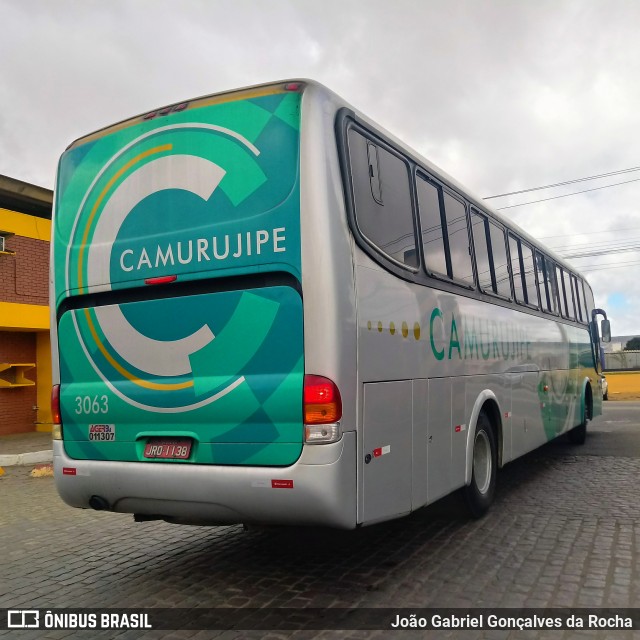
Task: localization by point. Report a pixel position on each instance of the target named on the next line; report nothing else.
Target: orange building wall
(24, 322)
(17, 406)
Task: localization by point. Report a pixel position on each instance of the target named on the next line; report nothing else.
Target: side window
(590, 302)
(458, 236)
(568, 292)
(529, 275)
(499, 258)
(564, 311)
(587, 315)
(552, 285)
(577, 298)
(545, 293)
(518, 280)
(431, 221)
(491, 255)
(566, 302)
(479, 230)
(545, 268)
(445, 236)
(374, 172)
(382, 199)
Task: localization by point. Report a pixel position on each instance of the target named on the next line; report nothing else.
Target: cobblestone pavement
(564, 531)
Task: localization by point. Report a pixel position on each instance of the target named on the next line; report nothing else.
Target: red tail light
(322, 401)
(55, 404)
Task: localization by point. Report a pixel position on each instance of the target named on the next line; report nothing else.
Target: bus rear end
(179, 325)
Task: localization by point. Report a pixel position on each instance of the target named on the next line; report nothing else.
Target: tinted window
(577, 298)
(458, 235)
(374, 172)
(552, 286)
(529, 275)
(431, 221)
(590, 302)
(478, 228)
(382, 199)
(518, 281)
(563, 305)
(565, 295)
(568, 292)
(499, 256)
(545, 293)
(586, 315)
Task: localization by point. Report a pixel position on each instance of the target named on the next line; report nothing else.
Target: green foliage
(633, 345)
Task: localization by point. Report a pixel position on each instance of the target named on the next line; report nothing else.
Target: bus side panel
(525, 426)
(439, 469)
(330, 335)
(388, 415)
(463, 347)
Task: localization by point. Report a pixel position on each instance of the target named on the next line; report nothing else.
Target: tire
(605, 396)
(578, 435)
(479, 494)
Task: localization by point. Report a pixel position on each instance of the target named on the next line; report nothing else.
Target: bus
(266, 309)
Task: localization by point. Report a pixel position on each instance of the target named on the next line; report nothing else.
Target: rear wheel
(479, 494)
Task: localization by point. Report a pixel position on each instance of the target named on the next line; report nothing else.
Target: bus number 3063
(89, 404)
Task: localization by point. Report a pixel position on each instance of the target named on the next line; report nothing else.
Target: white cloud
(502, 95)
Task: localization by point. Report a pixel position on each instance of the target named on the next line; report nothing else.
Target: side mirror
(605, 330)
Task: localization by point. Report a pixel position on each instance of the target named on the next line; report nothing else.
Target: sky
(503, 95)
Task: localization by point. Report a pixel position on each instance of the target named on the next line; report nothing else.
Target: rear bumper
(319, 489)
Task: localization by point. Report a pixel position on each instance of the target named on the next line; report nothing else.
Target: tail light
(55, 412)
(322, 410)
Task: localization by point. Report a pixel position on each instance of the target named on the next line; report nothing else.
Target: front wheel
(479, 494)
(578, 435)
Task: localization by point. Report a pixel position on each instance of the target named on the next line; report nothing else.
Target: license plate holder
(168, 449)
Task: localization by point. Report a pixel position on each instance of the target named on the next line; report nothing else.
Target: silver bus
(267, 309)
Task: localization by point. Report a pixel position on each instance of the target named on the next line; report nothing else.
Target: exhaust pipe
(99, 503)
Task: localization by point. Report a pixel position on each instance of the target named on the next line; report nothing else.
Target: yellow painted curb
(623, 383)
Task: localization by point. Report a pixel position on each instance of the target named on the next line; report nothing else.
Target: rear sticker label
(282, 484)
(102, 432)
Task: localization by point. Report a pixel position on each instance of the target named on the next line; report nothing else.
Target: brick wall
(24, 278)
(17, 413)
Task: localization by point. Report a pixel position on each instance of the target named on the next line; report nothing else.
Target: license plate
(174, 449)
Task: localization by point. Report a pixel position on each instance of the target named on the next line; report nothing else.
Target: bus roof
(299, 85)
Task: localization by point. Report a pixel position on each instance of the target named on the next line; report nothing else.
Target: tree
(633, 345)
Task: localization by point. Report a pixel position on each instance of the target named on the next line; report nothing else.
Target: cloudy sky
(503, 95)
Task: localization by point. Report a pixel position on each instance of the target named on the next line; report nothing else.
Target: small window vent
(3, 243)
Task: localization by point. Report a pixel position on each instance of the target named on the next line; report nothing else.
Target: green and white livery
(254, 321)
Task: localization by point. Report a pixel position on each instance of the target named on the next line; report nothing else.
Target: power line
(606, 244)
(566, 195)
(601, 252)
(603, 267)
(589, 233)
(560, 184)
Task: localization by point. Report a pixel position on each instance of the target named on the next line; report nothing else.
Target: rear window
(382, 198)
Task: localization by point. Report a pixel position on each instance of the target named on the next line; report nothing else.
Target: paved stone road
(564, 531)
